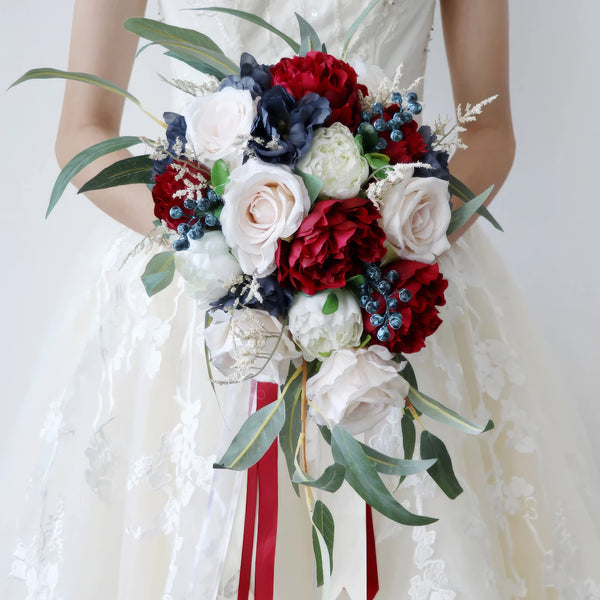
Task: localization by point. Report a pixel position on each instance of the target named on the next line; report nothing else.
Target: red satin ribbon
(372, 574)
(262, 478)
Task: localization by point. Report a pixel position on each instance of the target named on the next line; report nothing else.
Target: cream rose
(215, 122)
(262, 203)
(318, 334)
(355, 388)
(415, 214)
(240, 343)
(336, 160)
(206, 266)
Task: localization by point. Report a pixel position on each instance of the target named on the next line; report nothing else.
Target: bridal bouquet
(306, 213)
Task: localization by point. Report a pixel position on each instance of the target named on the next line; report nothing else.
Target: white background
(550, 206)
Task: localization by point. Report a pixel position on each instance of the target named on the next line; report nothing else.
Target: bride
(116, 507)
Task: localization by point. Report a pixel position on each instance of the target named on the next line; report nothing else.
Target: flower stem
(303, 415)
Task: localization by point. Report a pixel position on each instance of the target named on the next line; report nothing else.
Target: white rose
(415, 214)
(206, 266)
(262, 203)
(336, 160)
(354, 388)
(318, 334)
(240, 343)
(216, 121)
(373, 76)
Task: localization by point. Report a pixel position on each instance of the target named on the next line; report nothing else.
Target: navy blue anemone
(438, 159)
(253, 77)
(176, 129)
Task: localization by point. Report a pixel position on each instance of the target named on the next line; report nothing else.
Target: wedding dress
(124, 503)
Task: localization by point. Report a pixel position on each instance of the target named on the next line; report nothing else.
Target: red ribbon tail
(372, 574)
(248, 539)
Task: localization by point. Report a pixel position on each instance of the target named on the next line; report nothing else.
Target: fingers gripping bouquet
(306, 214)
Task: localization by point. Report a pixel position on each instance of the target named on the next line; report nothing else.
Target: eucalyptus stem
(303, 416)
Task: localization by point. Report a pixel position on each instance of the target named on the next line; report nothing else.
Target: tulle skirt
(123, 501)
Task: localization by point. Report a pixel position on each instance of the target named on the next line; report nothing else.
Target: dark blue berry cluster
(383, 310)
(401, 117)
(203, 215)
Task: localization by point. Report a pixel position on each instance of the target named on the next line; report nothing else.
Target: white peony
(240, 343)
(415, 214)
(336, 160)
(206, 267)
(318, 334)
(355, 388)
(262, 203)
(216, 122)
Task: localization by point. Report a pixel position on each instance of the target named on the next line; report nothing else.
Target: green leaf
(136, 169)
(330, 481)
(362, 476)
(323, 527)
(159, 272)
(408, 372)
(355, 280)
(254, 437)
(462, 214)
(377, 160)
(309, 39)
(292, 426)
(257, 21)
(394, 466)
(312, 184)
(369, 137)
(409, 435)
(460, 190)
(358, 140)
(331, 304)
(441, 472)
(219, 176)
(357, 24)
(439, 412)
(82, 160)
(198, 65)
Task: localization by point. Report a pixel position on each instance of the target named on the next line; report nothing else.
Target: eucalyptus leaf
(219, 176)
(292, 426)
(136, 169)
(254, 437)
(197, 65)
(357, 24)
(409, 435)
(331, 304)
(312, 184)
(460, 190)
(330, 481)
(323, 535)
(439, 412)
(82, 160)
(309, 39)
(159, 272)
(441, 472)
(408, 372)
(362, 476)
(257, 21)
(394, 466)
(462, 214)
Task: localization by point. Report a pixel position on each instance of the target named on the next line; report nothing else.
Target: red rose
(411, 148)
(327, 76)
(168, 183)
(419, 314)
(331, 244)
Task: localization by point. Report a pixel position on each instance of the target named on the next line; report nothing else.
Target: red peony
(327, 76)
(419, 315)
(168, 183)
(411, 149)
(331, 244)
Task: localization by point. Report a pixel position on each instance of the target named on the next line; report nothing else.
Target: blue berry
(407, 116)
(189, 204)
(365, 116)
(181, 243)
(384, 287)
(176, 212)
(374, 272)
(377, 320)
(411, 97)
(404, 295)
(398, 118)
(210, 220)
(372, 307)
(395, 320)
(392, 304)
(383, 334)
(213, 196)
(380, 125)
(415, 108)
(392, 276)
(381, 144)
(396, 135)
(378, 108)
(396, 97)
(183, 228)
(364, 300)
(195, 233)
(204, 204)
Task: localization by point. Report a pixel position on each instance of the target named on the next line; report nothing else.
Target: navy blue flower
(283, 128)
(253, 77)
(176, 129)
(438, 159)
(275, 299)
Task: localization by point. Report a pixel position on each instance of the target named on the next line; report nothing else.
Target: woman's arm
(476, 37)
(101, 46)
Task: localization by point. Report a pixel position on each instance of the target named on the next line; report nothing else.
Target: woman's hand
(101, 46)
(476, 37)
